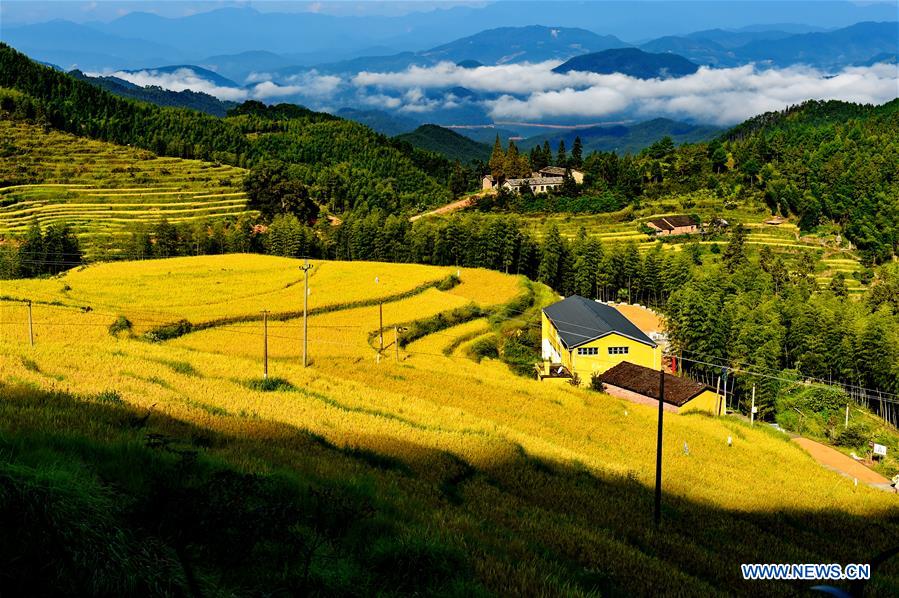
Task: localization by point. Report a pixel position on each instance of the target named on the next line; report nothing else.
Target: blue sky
(31, 11)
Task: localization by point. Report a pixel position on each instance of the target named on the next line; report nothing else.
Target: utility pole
(846, 425)
(305, 268)
(380, 327)
(657, 514)
(752, 408)
(718, 394)
(396, 342)
(265, 344)
(726, 401)
(30, 325)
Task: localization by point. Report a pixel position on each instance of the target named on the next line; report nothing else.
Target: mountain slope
(380, 121)
(624, 139)
(535, 43)
(830, 49)
(630, 61)
(445, 142)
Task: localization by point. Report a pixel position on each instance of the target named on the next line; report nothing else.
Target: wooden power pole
(265, 344)
(752, 408)
(657, 513)
(396, 342)
(380, 327)
(30, 325)
(305, 268)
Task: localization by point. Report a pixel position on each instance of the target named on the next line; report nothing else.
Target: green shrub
(824, 399)
(269, 384)
(448, 283)
(596, 382)
(485, 347)
(181, 367)
(110, 397)
(169, 331)
(855, 436)
(30, 365)
(121, 324)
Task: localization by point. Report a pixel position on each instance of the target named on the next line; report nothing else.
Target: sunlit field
(548, 490)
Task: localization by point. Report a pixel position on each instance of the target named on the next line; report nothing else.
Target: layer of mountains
(229, 51)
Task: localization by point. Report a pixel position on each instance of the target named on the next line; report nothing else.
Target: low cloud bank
(534, 92)
(720, 96)
(309, 84)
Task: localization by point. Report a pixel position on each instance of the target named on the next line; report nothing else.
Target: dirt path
(837, 461)
(450, 207)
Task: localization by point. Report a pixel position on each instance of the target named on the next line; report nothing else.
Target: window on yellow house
(588, 351)
(618, 350)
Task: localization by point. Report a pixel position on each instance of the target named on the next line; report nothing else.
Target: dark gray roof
(580, 320)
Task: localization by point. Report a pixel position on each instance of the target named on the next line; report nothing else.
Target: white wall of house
(549, 353)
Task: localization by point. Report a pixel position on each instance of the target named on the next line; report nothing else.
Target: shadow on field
(99, 498)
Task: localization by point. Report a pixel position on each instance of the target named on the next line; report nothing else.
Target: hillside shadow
(426, 520)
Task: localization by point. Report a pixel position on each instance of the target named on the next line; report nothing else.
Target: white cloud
(268, 90)
(315, 85)
(309, 84)
(180, 80)
(721, 96)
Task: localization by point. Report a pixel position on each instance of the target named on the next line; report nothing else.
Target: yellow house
(587, 337)
(641, 385)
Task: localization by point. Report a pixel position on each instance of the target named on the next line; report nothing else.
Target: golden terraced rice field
(544, 485)
(103, 190)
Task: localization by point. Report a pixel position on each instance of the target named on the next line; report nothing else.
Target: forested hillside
(380, 173)
(447, 143)
(823, 162)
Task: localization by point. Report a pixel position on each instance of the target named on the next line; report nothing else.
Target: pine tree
(497, 163)
(562, 155)
(577, 150)
(517, 166)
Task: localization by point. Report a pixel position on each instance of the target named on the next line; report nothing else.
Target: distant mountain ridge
(535, 43)
(824, 49)
(630, 61)
(503, 45)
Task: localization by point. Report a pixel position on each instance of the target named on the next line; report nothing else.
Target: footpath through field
(837, 461)
(448, 208)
